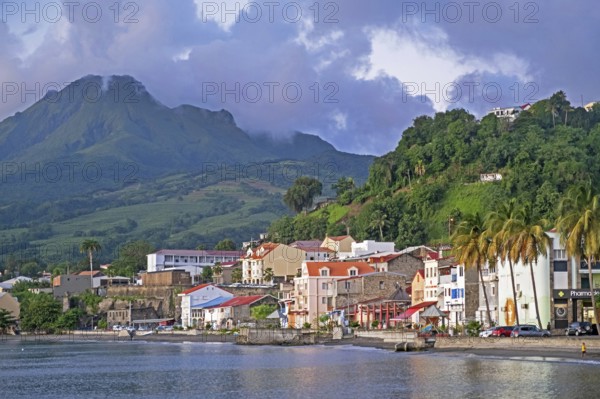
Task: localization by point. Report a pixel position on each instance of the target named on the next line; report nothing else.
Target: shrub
(375, 323)
(306, 325)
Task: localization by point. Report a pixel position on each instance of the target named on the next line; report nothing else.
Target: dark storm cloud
(341, 70)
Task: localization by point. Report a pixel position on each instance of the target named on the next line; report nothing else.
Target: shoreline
(539, 352)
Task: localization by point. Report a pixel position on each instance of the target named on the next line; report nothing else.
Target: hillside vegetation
(418, 193)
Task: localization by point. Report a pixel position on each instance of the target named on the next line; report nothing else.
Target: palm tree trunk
(593, 298)
(380, 233)
(485, 296)
(512, 280)
(91, 270)
(535, 298)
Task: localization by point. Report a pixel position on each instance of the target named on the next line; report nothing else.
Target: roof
(315, 249)
(412, 310)
(94, 273)
(196, 288)
(338, 269)
(241, 301)
(196, 252)
(433, 311)
(306, 243)
(266, 248)
(212, 303)
(339, 238)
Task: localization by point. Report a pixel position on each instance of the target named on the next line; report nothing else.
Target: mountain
(105, 146)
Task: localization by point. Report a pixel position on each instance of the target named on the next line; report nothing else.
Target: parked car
(487, 333)
(502, 331)
(117, 327)
(529, 330)
(579, 328)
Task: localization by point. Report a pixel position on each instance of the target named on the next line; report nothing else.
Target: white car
(117, 327)
(486, 333)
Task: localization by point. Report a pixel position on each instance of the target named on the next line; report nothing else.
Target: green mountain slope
(102, 158)
(419, 192)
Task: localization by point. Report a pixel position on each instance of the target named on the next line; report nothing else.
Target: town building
(167, 278)
(69, 284)
(196, 299)
(283, 261)
(338, 244)
(314, 290)
(235, 311)
(225, 277)
(10, 304)
(192, 261)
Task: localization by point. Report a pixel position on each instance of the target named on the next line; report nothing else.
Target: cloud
(342, 70)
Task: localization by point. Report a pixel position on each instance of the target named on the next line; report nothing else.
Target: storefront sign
(583, 293)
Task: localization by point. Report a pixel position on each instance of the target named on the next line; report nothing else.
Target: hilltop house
(339, 244)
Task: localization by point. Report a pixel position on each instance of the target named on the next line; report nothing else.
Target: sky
(356, 73)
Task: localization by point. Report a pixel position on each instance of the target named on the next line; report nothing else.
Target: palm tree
(500, 230)
(579, 229)
(237, 275)
(470, 248)
(420, 168)
(531, 242)
(268, 274)
(90, 246)
(379, 221)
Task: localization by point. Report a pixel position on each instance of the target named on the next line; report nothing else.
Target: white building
(192, 261)
(452, 284)
(192, 302)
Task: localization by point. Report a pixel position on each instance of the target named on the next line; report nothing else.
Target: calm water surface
(187, 370)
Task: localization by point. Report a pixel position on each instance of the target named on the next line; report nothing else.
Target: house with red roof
(315, 290)
(234, 311)
(196, 299)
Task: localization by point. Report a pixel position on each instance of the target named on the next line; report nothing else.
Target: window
(493, 290)
(460, 271)
(560, 254)
(324, 272)
(353, 272)
(382, 285)
(324, 286)
(324, 300)
(347, 285)
(560, 265)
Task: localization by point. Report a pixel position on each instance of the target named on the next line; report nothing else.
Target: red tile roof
(338, 269)
(241, 301)
(196, 288)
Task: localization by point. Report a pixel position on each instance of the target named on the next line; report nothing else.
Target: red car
(502, 331)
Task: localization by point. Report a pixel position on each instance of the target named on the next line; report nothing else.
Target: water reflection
(156, 370)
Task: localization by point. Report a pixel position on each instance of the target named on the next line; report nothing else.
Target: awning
(412, 310)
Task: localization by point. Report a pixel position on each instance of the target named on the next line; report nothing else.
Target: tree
(343, 185)
(236, 275)
(225, 245)
(470, 246)
(379, 221)
(260, 312)
(6, 320)
(207, 274)
(531, 242)
(70, 320)
(300, 196)
(500, 230)
(420, 168)
(90, 246)
(39, 313)
(217, 269)
(268, 274)
(579, 227)
(132, 258)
